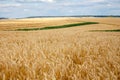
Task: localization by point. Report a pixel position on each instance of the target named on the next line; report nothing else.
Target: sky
(27, 8)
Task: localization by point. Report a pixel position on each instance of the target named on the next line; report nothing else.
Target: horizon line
(63, 16)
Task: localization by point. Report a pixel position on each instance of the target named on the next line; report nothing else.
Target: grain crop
(60, 54)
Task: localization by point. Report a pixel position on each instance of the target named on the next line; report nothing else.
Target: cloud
(22, 8)
(83, 3)
(24, 1)
(25, 9)
(9, 5)
(97, 0)
(48, 0)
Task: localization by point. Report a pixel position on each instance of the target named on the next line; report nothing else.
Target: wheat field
(61, 54)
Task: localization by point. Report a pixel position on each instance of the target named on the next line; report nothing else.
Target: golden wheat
(63, 54)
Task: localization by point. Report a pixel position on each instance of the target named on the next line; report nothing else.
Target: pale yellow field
(44, 22)
(60, 54)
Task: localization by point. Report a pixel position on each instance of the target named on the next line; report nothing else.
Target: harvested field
(73, 53)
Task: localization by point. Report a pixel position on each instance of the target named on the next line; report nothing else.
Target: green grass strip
(115, 30)
(57, 27)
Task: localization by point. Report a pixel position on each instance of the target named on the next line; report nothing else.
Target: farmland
(84, 52)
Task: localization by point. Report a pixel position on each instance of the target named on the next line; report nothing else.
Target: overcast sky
(26, 8)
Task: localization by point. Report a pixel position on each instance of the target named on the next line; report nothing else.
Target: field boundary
(58, 27)
(114, 30)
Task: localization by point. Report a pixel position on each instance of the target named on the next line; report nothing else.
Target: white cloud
(25, 9)
(97, 0)
(109, 5)
(9, 5)
(49, 1)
